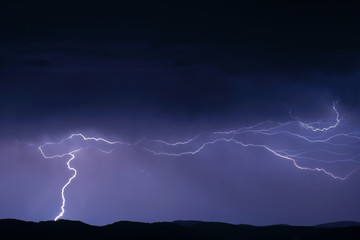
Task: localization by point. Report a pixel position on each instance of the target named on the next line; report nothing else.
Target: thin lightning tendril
(352, 152)
(314, 129)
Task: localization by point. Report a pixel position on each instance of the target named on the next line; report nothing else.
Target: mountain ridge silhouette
(181, 229)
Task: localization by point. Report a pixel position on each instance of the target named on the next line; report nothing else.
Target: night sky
(147, 75)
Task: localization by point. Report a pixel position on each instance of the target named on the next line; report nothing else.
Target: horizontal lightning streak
(270, 132)
(251, 145)
(231, 136)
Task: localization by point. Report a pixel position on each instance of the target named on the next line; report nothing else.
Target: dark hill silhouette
(339, 224)
(64, 229)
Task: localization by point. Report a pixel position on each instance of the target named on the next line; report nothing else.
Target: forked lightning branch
(329, 134)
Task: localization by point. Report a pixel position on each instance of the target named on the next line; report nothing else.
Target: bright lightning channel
(314, 129)
(270, 132)
(71, 154)
(232, 136)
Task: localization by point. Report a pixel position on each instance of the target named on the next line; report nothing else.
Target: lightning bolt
(260, 129)
(314, 129)
(322, 137)
(71, 154)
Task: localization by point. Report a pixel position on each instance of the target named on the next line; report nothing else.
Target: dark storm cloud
(183, 79)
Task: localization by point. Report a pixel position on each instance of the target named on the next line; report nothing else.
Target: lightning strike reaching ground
(315, 141)
(71, 154)
(68, 182)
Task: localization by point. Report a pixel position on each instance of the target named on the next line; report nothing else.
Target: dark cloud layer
(158, 53)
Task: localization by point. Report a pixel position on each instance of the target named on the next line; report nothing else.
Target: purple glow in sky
(236, 112)
(325, 148)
